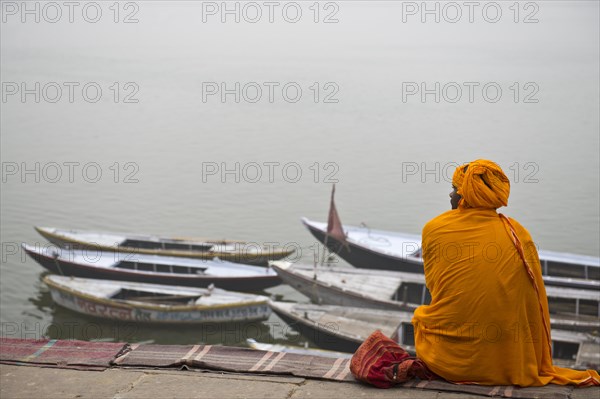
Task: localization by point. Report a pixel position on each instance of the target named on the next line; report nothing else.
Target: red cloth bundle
(382, 362)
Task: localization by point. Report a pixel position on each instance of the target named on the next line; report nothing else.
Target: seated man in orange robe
(488, 320)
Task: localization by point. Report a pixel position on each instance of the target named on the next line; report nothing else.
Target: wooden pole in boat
(315, 293)
(325, 250)
(329, 224)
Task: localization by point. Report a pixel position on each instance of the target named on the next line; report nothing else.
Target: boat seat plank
(155, 298)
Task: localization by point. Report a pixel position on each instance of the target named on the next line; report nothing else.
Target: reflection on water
(66, 324)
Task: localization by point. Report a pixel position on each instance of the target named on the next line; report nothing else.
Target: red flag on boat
(334, 224)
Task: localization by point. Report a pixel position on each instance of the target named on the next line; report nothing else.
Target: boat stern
(280, 264)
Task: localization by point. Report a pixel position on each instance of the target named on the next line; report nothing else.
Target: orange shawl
(487, 323)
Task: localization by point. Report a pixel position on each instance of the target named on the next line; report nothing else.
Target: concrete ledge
(38, 382)
(131, 383)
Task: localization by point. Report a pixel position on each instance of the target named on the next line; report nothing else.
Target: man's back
(484, 309)
(488, 320)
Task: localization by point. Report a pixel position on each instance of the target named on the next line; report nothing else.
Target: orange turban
(459, 175)
(484, 185)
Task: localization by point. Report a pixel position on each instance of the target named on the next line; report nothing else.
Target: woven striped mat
(59, 353)
(244, 360)
(236, 360)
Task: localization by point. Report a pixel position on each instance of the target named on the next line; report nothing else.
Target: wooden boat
(386, 250)
(570, 308)
(154, 303)
(233, 251)
(153, 269)
(341, 328)
(263, 346)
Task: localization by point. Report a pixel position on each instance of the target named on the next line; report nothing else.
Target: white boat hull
(221, 307)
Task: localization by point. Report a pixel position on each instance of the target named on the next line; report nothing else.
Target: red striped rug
(59, 353)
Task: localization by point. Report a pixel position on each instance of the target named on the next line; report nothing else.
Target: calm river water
(176, 119)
